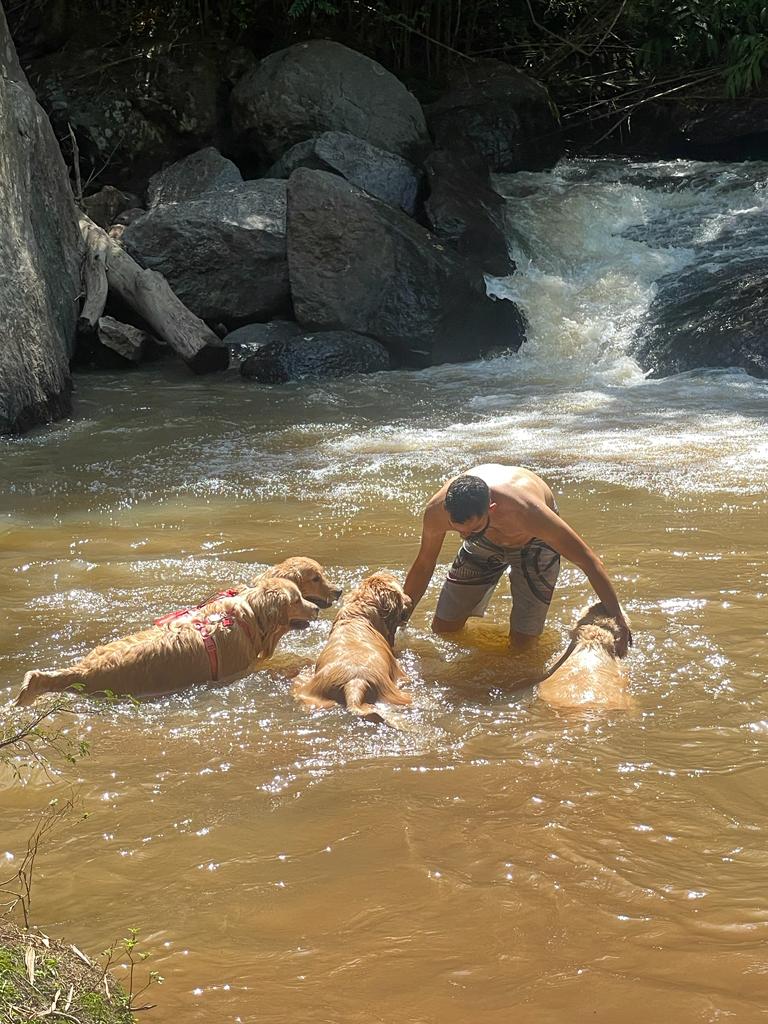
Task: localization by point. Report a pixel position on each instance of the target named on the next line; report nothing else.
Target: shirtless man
(508, 520)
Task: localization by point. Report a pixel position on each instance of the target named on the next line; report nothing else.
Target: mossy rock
(61, 977)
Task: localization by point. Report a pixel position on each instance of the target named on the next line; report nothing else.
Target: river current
(497, 861)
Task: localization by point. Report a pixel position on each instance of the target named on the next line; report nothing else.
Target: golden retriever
(589, 674)
(219, 643)
(308, 575)
(357, 667)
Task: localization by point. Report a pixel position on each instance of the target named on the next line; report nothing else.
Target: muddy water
(495, 861)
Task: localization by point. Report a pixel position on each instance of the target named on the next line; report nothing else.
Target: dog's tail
(355, 691)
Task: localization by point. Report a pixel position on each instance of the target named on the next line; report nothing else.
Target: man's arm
(420, 573)
(549, 527)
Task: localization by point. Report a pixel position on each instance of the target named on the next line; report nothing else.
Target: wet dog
(589, 674)
(358, 668)
(308, 575)
(219, 643)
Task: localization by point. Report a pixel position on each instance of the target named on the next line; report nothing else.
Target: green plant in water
(128, 947)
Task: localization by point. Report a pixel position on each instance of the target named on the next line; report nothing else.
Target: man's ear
(492, 505)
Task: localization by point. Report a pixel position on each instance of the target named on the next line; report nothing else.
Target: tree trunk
(147, 293)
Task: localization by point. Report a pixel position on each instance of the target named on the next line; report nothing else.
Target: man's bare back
(513, 490)
(505, 511)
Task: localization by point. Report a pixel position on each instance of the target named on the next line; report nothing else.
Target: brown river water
(496, 861)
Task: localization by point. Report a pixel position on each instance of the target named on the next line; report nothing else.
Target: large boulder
(501, 114)
(145, 111)
(204, 171)
(464, 208)
(40, 252)
(723, 129)
(317, 356)
(320, 86)
(384, 175)
(711, 315)
(707, 128)
(253, 336)
(223, 253)
(358, 264)
(106, 205)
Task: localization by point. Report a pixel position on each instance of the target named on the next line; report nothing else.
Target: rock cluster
(355, 226)
(355, 243)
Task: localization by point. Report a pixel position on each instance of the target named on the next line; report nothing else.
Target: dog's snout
(337, 593)
(312, 610)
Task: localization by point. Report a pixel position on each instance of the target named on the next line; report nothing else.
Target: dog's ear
(287, 570)
(387, 598)
(273, 605)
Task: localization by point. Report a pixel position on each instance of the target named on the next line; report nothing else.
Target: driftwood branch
(147, 293)
(95, 283)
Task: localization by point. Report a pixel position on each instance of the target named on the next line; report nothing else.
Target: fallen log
(147, 293)
(94, 278)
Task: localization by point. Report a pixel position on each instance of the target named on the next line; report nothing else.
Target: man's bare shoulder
(434, 510)
(516, 484)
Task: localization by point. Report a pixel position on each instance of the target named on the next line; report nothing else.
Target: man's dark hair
(468, 496)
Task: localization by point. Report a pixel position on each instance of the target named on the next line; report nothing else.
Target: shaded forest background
(589, 53)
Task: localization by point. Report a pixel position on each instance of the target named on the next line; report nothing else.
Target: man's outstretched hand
(624, 640)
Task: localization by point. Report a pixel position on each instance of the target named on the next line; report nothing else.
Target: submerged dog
(218, 643)
(357, 667)
(589, 674)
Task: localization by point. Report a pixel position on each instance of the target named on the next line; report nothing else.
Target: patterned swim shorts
(478, 567)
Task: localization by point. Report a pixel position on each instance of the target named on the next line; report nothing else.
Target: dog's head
(384, 602)
(279, 606)
(309, 577)
(595, 626)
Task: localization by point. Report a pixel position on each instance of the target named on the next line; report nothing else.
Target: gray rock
(711, 315)
(301, 155)
(384, 175)
(319, 86)
(357, 264)
(316, 356)
(140, 114)
(256, 335)
(105, 206)
(40, 252)
(465, 210)
(500, 113)
(224, 253)
(705, 128)
(125, 340)
(122, 221)
(204, 171)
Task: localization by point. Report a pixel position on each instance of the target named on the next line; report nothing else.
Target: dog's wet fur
(358, 669)
(171, 657)
(308, 575)
(589, 675)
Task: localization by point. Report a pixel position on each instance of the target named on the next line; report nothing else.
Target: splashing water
(496, 860)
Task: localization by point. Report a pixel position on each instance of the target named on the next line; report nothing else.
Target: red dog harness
(204, 626)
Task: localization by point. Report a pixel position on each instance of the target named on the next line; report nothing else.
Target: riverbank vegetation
(597, 57)
(41, 977)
